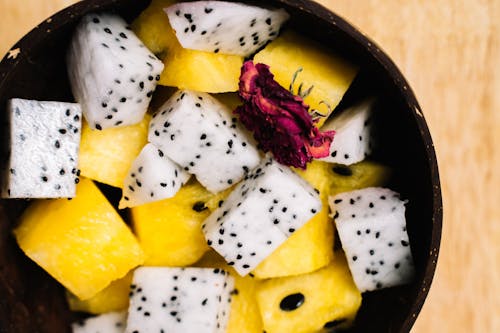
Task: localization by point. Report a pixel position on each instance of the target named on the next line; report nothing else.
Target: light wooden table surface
(449, 50)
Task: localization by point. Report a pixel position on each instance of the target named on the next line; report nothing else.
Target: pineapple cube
(329, 75)
(326, 298)
(170, 230)
(185, 69)
(244, 315)
(106, 156)
(83, 243)
(114, 297)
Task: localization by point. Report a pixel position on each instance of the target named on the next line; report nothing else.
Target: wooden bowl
(31, 301)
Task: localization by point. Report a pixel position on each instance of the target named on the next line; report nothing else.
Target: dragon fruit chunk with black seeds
(44, 142)
(111, 322)
(372, 229)
(179, 300)
(198, 132)
(225, 27)
(260, 214)
(353, 134)
(112, 74)
(152, 177)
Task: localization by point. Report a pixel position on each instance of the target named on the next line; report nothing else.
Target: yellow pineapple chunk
(329, 75)
(357, 176)
(115, 297)
(325, 298)
(310, 247)
(185, 69)
(83, 243)
(106, 156)
(170, 230)
(244, 315)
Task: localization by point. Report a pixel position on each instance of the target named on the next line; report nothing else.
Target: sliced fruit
(106, 156)
(311, 247)
(83, 243)
(115, 297)
(185, 69)
(313, 66)
(170, 230)
(244, 315)
(327, 298)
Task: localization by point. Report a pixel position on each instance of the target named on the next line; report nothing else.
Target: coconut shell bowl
(31, 301)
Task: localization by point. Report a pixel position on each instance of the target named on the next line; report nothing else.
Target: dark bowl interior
(31, 301)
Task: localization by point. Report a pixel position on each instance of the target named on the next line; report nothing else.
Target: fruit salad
(251, 198)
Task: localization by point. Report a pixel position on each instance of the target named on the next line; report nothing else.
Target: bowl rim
(15, 54)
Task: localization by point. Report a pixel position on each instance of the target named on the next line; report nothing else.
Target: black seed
(61, 172)
(208, 10)
(397, 265)
(352, 201)
(284, 209)
(163, 184)
(98, 127)
(313, 211)
(377, 234)
(209, 242)
(390, 244)
(45, 179)
(342, 170)
(95, 20)
(204, 302)
(203, 137)
(198, 105)
(123, 35)
(199, 206)
(354, 258)
(193, 28)
(246, 266)
(119, 122)
(77, 180)
(123, 100)
(126, 198)
(372, 252)
(291, 230)
(198, 156)
(367, 231)
(404, 243)
(220, 203)
(262, 190)
(62, 131)
(109, 116)
(216, 51)
(292, 302)
(160, 153)
(106, 30)
(138, 183)
(239, 245)
(358, 232)
(57, 144)
(334, 323)
(131, 188)
(336, 215)
(172, 137)
(221, 242)
(252, 23)
(276, 221)
(371, 205)
(173, 313)
(337, 201)
(238, 257)
(204, 32)
(229, 181)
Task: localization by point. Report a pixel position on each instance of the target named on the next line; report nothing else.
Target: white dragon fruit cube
(260, 214)
(152, 177)
(111, 322)
(197, 132)
(44, 143)
(372, 229)
(225, 27)
(112, 74)
(179, 300)
(353, 134)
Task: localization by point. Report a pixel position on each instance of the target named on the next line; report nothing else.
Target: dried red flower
(279, 120)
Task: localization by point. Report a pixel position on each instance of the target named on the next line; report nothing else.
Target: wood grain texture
(449, 50)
